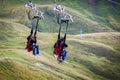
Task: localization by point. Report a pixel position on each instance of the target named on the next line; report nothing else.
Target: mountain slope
(94, 57)
(13, 53)
(84, 60)
(84, 16)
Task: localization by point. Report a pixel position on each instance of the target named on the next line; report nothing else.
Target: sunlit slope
(16, 62)
(109, 38)
(85, 57)
(94, 57)
(98, 51)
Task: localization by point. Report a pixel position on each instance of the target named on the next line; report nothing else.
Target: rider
(63, 54)
(31, 43)
(31, 5)
(60, 51)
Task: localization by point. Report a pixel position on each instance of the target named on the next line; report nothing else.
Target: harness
(29, 44)
(59, 45)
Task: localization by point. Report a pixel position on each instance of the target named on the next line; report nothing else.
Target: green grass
(13, 70)
(82, 14)
(95, 57)
(83, 56)
(6, 30)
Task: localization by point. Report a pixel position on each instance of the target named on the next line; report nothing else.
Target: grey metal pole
(81, 33)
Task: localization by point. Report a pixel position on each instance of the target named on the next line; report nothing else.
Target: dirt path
(45, 66)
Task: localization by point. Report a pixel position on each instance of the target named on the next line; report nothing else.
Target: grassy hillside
(86, 62)
(91, 18)
(94, 57)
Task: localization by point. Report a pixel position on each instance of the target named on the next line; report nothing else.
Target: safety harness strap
(36, 27)
(64, 21)
(59, 31)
